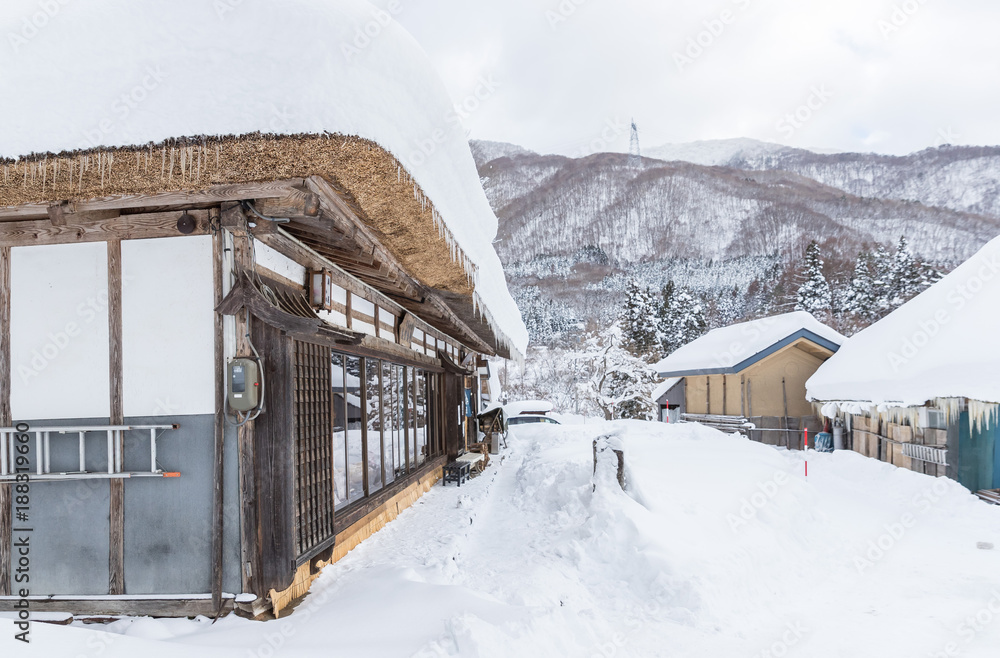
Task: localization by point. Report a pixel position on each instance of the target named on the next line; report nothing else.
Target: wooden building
(919, 389)
(142, 285)
(750, 377)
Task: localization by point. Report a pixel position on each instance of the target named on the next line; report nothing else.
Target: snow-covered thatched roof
(118, 73)
(738, 346)
(943, 343)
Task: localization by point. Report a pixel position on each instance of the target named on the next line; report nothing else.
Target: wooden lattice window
(313, 449)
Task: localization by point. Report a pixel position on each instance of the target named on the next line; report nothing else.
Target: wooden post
(116, 564)
(218, 501)
(708, 395)
(750, 403)
(743, 396)
(233, 216)
(363, 379)
(724, 395)
(5, 416)
(784, 398)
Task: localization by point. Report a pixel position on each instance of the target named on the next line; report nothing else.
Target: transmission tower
(634, 154)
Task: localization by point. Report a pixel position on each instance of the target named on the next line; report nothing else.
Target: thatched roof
(375, 186)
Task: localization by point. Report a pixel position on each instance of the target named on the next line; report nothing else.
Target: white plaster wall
(278, 263)
(59, 332)
(168, 326)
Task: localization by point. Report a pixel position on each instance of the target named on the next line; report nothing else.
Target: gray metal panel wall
(168, 521)
(70, 538)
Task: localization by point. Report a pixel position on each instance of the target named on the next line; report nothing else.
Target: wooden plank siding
(274, 455)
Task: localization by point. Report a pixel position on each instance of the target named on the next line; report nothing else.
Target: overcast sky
(564, 76)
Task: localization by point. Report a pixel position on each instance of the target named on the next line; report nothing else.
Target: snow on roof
(941, 344)
(664, 386)
(721, 350)
(527, 407)
(119, 73)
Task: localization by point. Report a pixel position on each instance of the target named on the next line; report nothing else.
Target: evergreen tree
(882, 283)
(908, 274)
(638, 322)
(814, 294)
(681, 318)
(861, 303)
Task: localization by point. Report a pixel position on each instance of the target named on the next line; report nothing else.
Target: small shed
(751, 376)
(669, 399)
(919, 388)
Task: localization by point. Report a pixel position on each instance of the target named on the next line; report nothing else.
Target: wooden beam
(126, 227)
(205, 198)
(116, 565)
(295, 204)
(5, 415)
(250, 566)
(218, 472)
(57, 213)
(129, 607)
(284, 243)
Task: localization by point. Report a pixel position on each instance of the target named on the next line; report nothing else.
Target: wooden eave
(320, 220)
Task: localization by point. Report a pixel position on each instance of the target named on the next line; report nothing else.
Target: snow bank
(79, 75)
(723, 349)
(943, 343)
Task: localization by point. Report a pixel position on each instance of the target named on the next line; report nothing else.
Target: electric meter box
(244, 385)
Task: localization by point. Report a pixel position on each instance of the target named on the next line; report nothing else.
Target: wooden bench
(456, 471)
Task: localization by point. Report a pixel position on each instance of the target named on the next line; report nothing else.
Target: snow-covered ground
(721, 547)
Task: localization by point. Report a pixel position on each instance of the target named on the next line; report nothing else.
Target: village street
(721, 547)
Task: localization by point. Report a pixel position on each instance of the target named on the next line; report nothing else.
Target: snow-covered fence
(603, 447)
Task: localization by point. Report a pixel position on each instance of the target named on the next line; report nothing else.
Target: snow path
(720, 548)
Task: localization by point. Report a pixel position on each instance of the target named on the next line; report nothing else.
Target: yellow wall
(763, 382)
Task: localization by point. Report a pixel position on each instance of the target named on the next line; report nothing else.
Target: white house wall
(59, 332)
(168, 352)
(279, 263)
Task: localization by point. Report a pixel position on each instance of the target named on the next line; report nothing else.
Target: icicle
(163, 162)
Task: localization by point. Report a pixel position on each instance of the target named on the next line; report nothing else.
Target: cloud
(900, 71)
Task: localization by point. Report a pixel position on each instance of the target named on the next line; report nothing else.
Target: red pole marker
(807, 469)
(806, 431)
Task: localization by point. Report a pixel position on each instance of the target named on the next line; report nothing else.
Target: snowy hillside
(589, 224)
(716, 152)
(720, 547)
(958, 177)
